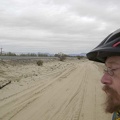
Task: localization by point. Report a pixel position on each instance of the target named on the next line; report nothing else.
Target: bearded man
(108, 52)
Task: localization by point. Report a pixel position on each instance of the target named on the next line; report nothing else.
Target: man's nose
(106, 79)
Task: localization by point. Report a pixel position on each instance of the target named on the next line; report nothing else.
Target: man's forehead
(113, 60)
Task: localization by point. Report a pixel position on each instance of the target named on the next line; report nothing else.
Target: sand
(69, 90)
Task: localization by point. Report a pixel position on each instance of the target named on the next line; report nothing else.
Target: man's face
(111, 81)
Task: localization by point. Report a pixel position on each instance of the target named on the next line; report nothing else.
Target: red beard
(112, 101)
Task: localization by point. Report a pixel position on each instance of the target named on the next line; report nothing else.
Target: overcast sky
(53, 26)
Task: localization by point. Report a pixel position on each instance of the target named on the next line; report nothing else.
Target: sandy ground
(69, 90)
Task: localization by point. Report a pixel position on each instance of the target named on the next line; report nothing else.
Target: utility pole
(1, 51)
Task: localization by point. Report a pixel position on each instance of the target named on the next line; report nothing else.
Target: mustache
(113, 94)
(109, 90)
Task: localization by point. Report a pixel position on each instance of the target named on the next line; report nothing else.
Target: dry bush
(62, 58)
(40, 63)
(80, 57)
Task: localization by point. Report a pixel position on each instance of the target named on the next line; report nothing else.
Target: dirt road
(69, 94)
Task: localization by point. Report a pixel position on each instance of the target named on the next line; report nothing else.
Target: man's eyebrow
(111, 62)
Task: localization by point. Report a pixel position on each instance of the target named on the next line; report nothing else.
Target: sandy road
(74, 94)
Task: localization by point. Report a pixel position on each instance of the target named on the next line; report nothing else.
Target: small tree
(9, 54)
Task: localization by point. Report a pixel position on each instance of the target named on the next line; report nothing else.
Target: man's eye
(114, 69)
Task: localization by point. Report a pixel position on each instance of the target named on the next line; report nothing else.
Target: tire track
(73, 104)
(71, 95)
(82, 88)
(16, 104)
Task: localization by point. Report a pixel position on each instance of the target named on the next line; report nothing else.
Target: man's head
(108, 52)
(110, 46)
(111, 81)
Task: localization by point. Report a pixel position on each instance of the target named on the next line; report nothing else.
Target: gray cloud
(56, 25)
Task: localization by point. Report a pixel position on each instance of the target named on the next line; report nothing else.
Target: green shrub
(40, 63)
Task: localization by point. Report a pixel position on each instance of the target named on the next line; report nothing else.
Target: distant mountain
(81, 54)
(50, 54)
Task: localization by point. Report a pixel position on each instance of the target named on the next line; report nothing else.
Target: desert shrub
(40, 63)
(62, 58)
(79, 57)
